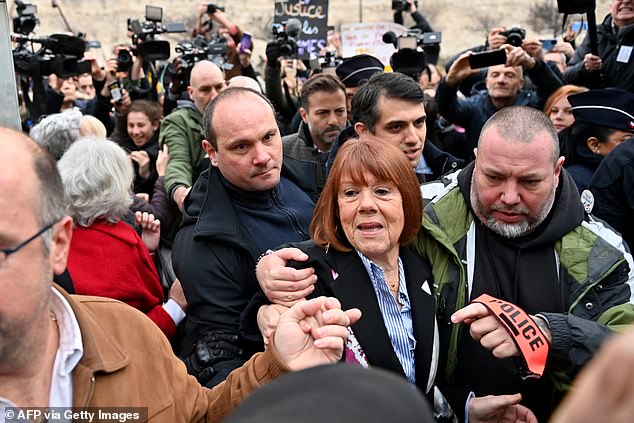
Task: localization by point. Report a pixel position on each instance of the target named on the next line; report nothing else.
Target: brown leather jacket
(128, 362)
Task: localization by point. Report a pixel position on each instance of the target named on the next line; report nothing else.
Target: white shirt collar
(69, 352)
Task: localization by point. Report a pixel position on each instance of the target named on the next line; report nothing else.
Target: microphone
(390, 38)
(57, 43)
(293, 27)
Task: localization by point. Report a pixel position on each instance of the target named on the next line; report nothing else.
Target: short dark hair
(387, 163)
(365, 103)
(320, 83)
(577, 136)
(208, 115)
(151, 109)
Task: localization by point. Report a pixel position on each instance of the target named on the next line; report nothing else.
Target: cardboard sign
(313, 16)
(367, 38)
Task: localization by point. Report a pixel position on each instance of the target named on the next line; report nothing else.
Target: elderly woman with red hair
(368, 213)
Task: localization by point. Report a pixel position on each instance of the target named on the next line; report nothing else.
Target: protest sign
(367, 38)
(313, 17)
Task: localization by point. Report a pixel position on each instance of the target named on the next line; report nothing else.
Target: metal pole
(59, 9)
(360, 11)
(10, 111)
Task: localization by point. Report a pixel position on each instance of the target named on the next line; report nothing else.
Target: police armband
(525, 332)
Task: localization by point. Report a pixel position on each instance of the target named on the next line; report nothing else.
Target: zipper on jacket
(290, 215)
(91, 391)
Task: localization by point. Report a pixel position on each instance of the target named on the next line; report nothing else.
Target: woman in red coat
(107, 257)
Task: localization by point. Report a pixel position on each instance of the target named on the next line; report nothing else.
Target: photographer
(504, 87)
(431, 51)
(238, 58)
(106, 108)
(613, 66)
(281, 73)
(495, 38)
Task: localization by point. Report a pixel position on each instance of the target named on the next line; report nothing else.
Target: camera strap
(526, 334)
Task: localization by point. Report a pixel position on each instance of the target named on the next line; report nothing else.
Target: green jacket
(182, 131)
(594, 269)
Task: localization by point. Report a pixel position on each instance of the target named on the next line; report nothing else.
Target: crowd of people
(465, 228)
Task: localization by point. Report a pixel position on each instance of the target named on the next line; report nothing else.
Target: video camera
(401, 5)
(409, 57)
(26, 21)
(144, 33)
(572, 7)
(326, 63)
(514, 36)
(285, 35)
(59, 54)
(193, 51)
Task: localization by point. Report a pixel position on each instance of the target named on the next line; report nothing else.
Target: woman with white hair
(58, 131)
(107, 257)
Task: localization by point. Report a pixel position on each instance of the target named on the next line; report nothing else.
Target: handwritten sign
(313, 16)
(367, 38)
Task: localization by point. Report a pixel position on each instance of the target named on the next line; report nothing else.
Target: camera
(326, 63)
(124, 60)
(26, 22)
(60, 54)
(410, 57)
(572, 7)
(212, 8)
(285, 35)
(401, 5)
(514, 36)
(144, 33)
(193, 51)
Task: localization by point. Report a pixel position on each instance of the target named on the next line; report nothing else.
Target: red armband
(530, 340)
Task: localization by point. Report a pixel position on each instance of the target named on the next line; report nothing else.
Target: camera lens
(124, 61)
(515, 40)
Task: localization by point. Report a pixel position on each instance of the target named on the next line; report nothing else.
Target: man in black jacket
(244, 204)
(323, 113)
(390, 106)
(504, 87)
(614, 65)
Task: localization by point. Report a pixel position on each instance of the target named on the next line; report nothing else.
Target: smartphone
(115, 91)
(577, 26)
(487, 58)
(548, 43)
(245, 42)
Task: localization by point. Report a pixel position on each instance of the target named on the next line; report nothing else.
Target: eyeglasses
(6, 252)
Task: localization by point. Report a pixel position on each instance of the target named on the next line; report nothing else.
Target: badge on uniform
(587, 199)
